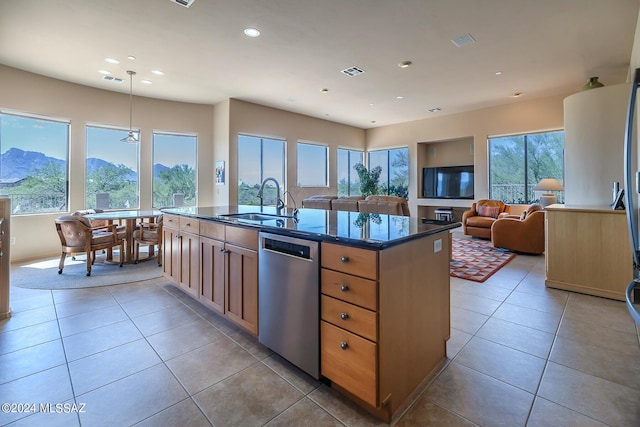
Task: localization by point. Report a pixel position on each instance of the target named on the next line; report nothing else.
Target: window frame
(153, 163)
(349, 151)
(326, 163)
(526, 184)
(388, 167)
(67, 149)
(262, 138)
(136, 132)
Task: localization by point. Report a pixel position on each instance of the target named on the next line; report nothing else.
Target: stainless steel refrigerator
(632, 194)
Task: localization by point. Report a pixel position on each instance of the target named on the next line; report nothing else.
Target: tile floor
(147, 354)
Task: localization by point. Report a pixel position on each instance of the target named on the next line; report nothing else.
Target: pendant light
(130, 137)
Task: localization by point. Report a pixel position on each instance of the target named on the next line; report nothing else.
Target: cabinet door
(170, 253)
(242, 287)
(189, 272)
(212, 273)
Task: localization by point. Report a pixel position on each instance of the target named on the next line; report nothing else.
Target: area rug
(477, 260)
(44, 274)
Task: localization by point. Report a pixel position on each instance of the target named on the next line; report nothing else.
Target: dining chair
(77, 235)
(148, 233)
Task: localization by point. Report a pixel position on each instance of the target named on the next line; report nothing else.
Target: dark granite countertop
(374, 231)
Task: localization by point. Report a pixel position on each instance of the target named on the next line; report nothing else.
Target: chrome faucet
(279, 202)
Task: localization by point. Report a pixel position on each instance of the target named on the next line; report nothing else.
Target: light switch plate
(437, 246)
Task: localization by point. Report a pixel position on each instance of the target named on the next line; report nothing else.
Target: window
(112, 170)
(312, 165)
(394, 179)
(34, 157)
(258, 159)
(174, 169)
(517, 163)
(348, 180)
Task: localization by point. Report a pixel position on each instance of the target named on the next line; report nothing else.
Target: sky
(51, 138)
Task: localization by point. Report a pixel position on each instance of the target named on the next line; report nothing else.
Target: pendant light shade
(130, 136)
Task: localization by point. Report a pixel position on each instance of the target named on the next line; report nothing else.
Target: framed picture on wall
(220, 172)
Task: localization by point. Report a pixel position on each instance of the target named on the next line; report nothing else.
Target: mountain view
(17, 163)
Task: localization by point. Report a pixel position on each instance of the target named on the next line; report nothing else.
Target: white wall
(594, 123)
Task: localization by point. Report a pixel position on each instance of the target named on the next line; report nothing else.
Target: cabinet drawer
(356, 290)
(350, 317)
(243, 237)
(349, 361)
(361, 262)
(213, 230)
(191, 225)
(171, 221)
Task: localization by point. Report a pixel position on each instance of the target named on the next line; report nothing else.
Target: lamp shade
(548, 184)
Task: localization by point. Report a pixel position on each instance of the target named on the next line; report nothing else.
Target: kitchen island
(384, 289)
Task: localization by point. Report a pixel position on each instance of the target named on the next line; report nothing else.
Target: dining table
(130, 218)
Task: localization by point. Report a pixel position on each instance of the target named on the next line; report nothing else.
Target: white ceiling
(543, 48)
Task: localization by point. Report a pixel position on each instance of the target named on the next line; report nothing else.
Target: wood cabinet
(229, 272)
(181, 257)
(384, 320)
(588, 250)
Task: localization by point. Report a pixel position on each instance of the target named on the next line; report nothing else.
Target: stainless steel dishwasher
(289, 299)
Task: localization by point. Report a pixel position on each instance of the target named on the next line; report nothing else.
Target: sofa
(478, 220)
(318, 202)
(520, 233)
(346, 203)
(388, 205)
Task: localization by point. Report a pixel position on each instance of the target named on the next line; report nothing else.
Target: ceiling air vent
(353, 71)
(112, 79)
(464, 40)
(185, 3)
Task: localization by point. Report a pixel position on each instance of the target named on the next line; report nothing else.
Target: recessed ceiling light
(371, 104)
(131, 57)
(435, 110)
(325, 90)
(405, 64)
(498, 73)
(399, 97)
(112, 60)
(252, 32)
(147, 82)
(373, 121)
(157, 72)
(105, 72)
(517, 94)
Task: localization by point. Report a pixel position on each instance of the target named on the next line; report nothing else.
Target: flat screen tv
(448, 182)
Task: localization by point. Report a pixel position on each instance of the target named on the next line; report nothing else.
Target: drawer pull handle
(344, 345)
(344, 259)
(344, 288)
(344, 316)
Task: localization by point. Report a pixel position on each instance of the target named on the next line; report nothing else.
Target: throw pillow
(489, 211)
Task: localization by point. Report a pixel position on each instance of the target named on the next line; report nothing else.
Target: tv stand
(444, 214)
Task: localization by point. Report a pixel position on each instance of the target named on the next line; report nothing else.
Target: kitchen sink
(256, 216)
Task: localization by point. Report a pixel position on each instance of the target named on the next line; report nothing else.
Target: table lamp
(548, 184)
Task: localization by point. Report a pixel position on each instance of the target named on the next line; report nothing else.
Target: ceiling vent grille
(185, 3)
(112, 79)
(353, 71)
(464, 40)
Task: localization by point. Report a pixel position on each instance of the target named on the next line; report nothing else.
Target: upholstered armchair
(77, 235)
(520, 233)
(148, 233)
(388, 205)
(478, 220)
